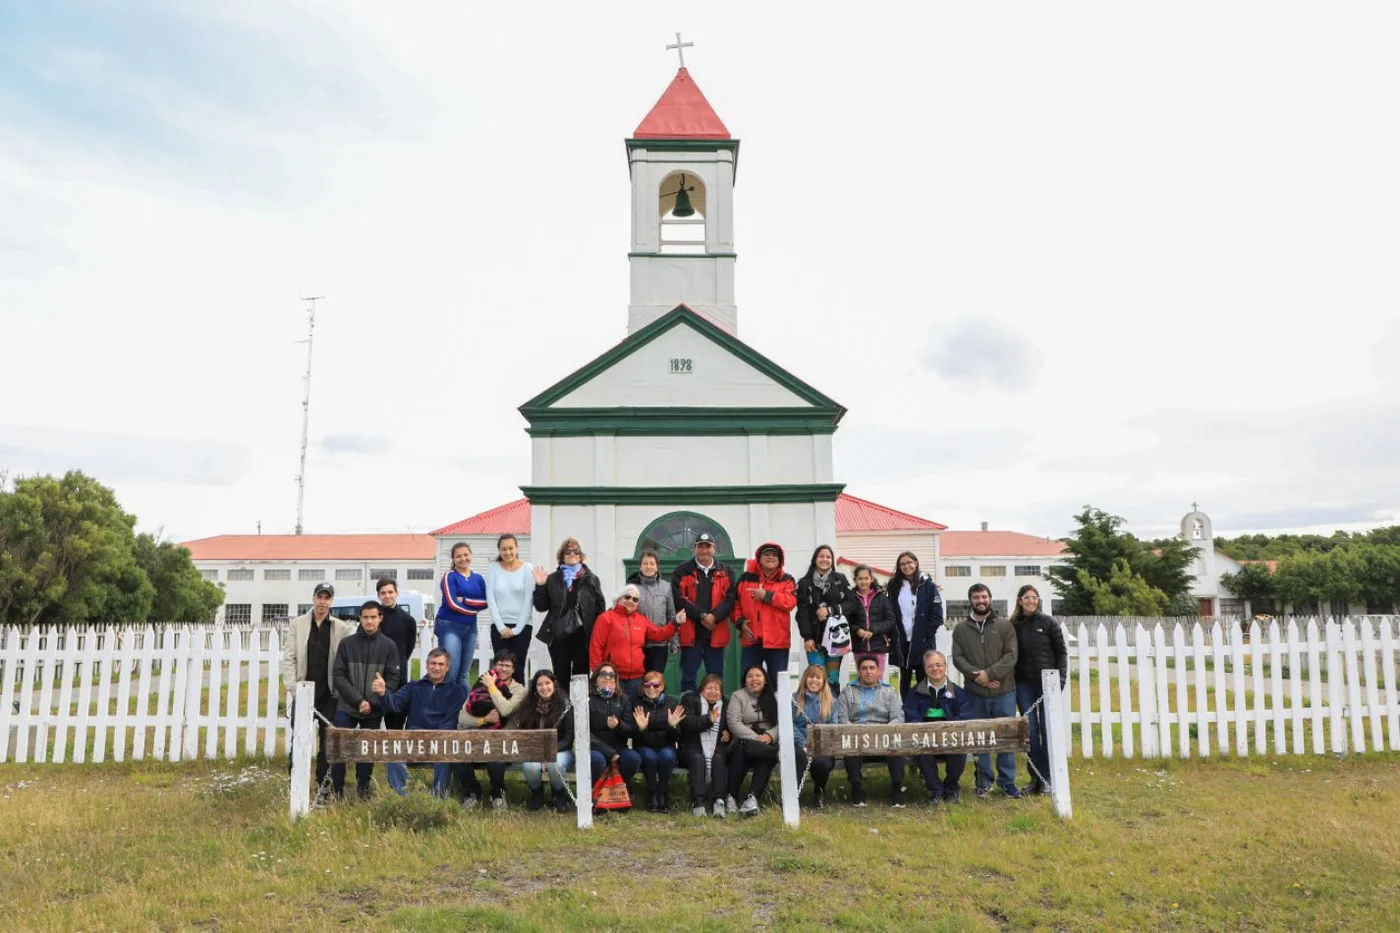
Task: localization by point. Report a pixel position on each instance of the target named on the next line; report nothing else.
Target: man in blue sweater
(937, 699)
(428, 703)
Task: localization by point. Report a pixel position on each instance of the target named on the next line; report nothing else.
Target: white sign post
(1052, 715)
(583, 762)
(303, 706)
(787, 752)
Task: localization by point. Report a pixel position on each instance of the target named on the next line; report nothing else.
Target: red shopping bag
(610, 791)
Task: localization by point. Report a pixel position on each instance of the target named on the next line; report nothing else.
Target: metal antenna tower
(306, 404)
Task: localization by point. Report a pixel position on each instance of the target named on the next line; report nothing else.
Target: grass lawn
(1258, 844)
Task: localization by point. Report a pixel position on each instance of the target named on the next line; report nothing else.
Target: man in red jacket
(703, 587)
(767, 597)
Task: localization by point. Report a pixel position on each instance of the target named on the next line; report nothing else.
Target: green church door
(672, 537)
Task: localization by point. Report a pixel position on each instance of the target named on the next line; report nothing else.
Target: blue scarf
(569, 571)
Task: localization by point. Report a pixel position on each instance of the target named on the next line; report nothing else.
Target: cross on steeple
(1195, 507)
(680, 48)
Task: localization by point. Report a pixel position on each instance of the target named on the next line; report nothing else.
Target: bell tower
(682, 160)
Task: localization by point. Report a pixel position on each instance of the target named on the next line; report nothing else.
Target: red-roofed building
(271, 577)
(1003, 560)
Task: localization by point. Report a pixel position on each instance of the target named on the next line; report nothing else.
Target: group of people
(635, 724)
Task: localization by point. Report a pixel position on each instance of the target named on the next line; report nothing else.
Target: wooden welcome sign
(954, 737)
(441, 745)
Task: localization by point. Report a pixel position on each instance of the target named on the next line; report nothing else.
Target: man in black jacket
(359, 658)
(398, 623)
(704, 588)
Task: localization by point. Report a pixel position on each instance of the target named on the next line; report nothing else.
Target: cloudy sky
(1046, 254)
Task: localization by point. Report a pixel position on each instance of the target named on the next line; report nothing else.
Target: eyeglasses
(628, 599)
(571, 550)
(606, 675)
(652, 684)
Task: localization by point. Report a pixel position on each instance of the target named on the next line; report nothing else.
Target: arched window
(681, 206)
(672, 537)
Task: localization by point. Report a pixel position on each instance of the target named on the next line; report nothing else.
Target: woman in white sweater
(510, 589)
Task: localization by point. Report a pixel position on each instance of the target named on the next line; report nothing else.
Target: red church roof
(682, 113)
(854, 514)
(513, 517)
(997, 544)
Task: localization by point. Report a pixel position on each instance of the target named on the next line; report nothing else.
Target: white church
(749, 458)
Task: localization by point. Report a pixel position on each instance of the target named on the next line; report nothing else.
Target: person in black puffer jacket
(610, 724)
(658, 720)
(360, 657)
(1040, 646)
(824, 592)
(572, 585)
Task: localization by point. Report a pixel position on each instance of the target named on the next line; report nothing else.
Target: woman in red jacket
(767, 597)
(620, 637)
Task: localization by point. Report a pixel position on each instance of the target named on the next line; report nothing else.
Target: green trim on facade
(664, 421)
(681, 315)
(682, 495)
(644, 255)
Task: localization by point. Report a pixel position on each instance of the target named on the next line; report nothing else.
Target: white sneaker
(749, 806)
(730, 804)
(470, 802)
(720, 808)
(498, 803)
(697, 811)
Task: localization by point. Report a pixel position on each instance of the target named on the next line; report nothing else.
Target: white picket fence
(1136, 688)
(1308, 685)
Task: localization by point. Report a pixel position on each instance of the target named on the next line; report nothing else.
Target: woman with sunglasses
(571, 586)
(610, 725)
(620, 638)
(658, 719)
(752, 718)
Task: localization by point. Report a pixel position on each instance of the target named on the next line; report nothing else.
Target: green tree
(1097, 549)
(182, 594)
(67, 554)
(1254, 582)
(1124, 593)
(1377, 573)
(1318, 576)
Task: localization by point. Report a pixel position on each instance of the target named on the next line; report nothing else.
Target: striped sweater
(461, 597)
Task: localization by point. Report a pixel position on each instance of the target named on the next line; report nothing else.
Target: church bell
(682, 208)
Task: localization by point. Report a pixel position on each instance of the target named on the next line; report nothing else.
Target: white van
(347, 608)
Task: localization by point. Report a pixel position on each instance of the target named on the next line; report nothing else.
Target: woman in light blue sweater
(510, 591)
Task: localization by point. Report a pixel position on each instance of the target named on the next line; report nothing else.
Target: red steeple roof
(682, 113)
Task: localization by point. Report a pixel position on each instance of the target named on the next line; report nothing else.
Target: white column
(583, 764)
(787, 752)
(301, 748)
(1057, 738)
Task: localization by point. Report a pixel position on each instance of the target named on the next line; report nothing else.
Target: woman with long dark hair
(610, 724)
(1040, 646)
(918, 614)
(753, 722)
(509, 594)
(546, 707)
(824, 600)
(571, 586)
(463, 593)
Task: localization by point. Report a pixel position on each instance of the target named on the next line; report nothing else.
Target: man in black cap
(704, 588)
(308, 654)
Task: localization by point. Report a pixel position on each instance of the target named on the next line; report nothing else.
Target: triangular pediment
(685, 366)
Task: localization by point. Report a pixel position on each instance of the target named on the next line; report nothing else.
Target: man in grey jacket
(871, 702)
(984, 649)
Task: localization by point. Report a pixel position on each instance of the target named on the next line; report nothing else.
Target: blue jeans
(1039, 754)
(458, 639)
(774, 661)
(690, 664)
(364, 770)
(657, 765)
(534, 771)
(398, 778)
(1002, 707)
(628, 762)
